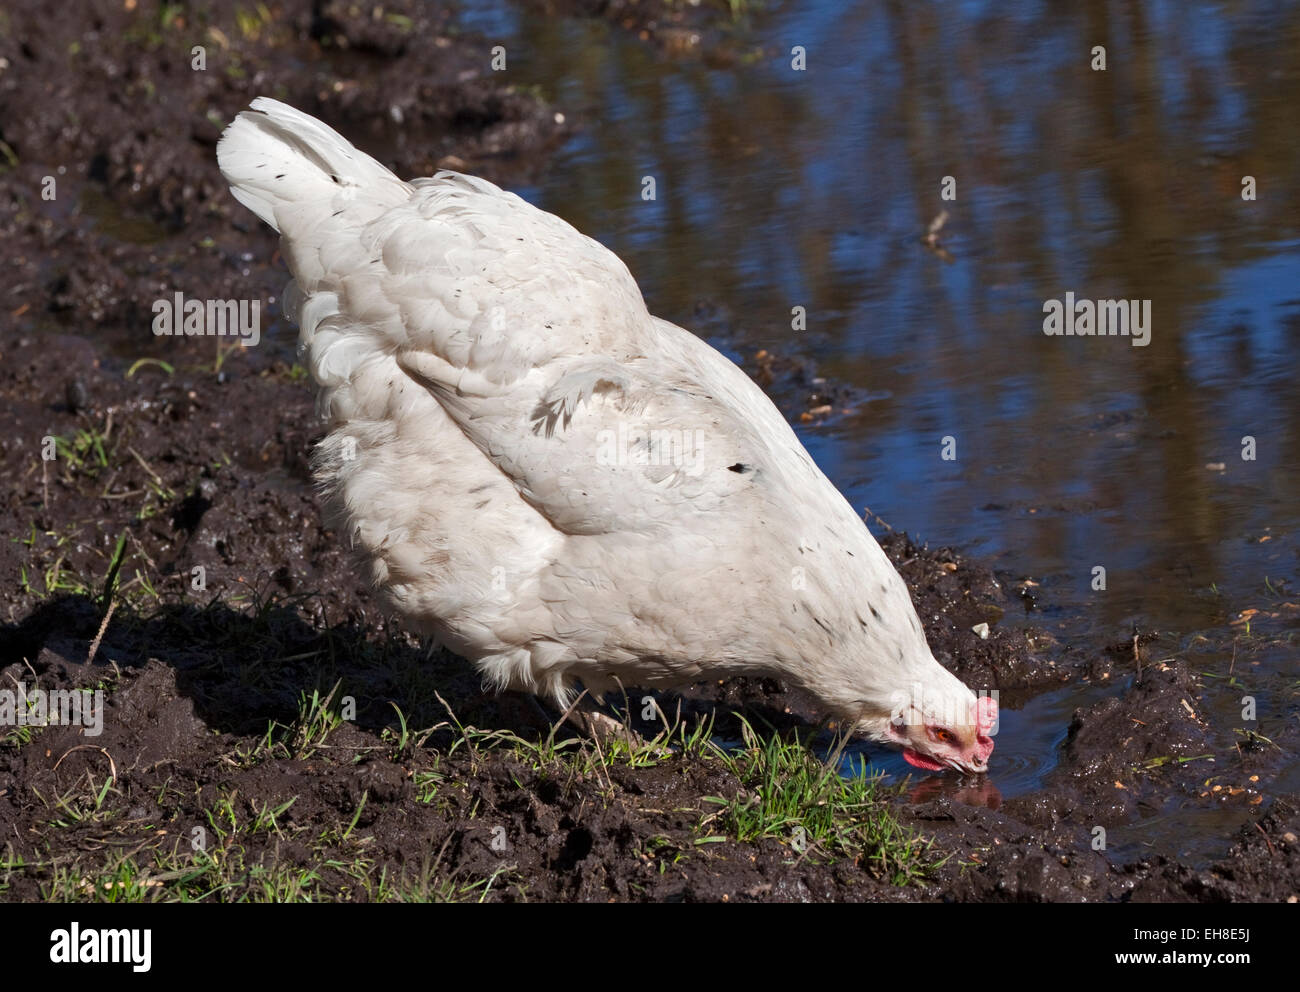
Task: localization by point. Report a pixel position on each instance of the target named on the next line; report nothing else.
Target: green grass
(1166, 759)
(789, 795)
(9, 864)
(783, 792)
(223, 873)
(85, 449)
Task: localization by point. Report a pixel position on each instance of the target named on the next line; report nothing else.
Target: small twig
(936, 225)
(628, 733)
(1271, 849)
(145, 465)
(550, 738)
(112, 765)
(464, 732)
(594, 731)
(103, 626)
(143, 553)
(875, 516)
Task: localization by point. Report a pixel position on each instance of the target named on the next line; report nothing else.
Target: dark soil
(205, 467)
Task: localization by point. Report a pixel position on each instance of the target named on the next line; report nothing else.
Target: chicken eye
(945, 736)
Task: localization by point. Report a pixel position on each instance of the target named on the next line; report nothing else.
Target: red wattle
(914, 757)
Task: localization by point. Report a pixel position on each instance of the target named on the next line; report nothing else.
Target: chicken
(557, 485)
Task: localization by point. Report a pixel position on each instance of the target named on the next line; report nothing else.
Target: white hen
(556, 484)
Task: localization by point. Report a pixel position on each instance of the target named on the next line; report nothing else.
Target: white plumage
(556, 484)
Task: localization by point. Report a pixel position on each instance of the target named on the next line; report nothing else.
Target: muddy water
(777, 188)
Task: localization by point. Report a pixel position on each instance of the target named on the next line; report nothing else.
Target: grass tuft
(789, 795)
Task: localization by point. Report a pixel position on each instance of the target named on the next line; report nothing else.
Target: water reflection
(778, 188)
